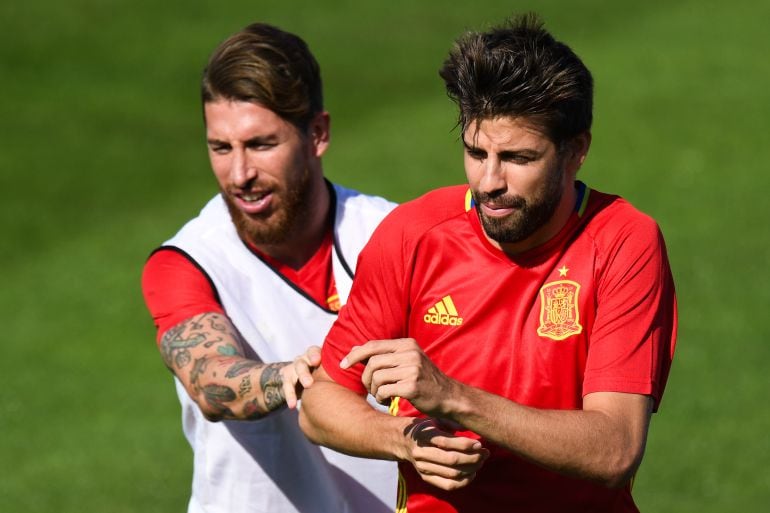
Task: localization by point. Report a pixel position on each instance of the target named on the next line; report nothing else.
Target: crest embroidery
(559, 314)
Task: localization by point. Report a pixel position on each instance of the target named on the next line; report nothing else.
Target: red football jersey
(591, 310)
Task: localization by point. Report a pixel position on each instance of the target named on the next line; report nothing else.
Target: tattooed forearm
(206, 353)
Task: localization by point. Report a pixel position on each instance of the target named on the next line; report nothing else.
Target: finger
(359, 354)
(451, 442)
(384, 369)
(384, 393)
(447, 472)
(313, 356)
(289, 386)
(454, 459)
(446, 483)
(306, 363)
(304, 372)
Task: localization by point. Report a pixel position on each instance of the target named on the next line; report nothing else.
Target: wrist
(402, 446)
(454, 403)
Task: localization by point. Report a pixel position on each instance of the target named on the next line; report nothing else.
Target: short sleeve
(175, 289)
(634, 334)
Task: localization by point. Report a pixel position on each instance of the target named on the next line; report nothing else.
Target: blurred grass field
(102, 158)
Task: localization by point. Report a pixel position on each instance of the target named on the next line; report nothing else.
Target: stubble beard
(292, 207)
(529, 215)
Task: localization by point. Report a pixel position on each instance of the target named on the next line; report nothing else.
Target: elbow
(209, 412)
(212, 416)
(621, 469)
(308, 428)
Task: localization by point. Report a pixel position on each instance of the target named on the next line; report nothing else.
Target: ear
(319, 133)
(577, 150)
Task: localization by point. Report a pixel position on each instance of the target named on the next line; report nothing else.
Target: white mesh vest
(268, 465)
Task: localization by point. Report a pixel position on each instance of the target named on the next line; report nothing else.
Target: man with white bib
(254, 283)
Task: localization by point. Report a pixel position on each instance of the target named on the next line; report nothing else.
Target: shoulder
(610, 215)
(429, 210)
(350, 200)
(402, 230)
(617, 227)
(213, 222)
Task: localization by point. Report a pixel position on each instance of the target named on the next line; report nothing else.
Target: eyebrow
(260, 139)
(525, 152)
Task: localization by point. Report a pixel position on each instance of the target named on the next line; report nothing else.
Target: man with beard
(524, 310)
(256, 280)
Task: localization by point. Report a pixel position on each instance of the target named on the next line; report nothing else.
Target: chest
(521, 331)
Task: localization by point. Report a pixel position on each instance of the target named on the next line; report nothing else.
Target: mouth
(493, 210)
(253, 202)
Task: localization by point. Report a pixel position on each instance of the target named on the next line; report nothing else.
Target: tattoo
(228, 350)
(251, 410)
(245, 386)
(195, 343)
(217, 395)
(172, 341)
(176, 342)
(183, 357)
(240, 367)
(198, 368)
(218, 326)
(271, 382)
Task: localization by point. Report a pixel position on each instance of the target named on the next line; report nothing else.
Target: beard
(529, 215)
(290, 205)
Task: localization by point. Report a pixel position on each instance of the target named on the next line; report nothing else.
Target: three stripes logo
(443, 313)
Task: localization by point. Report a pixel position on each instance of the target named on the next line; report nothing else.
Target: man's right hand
(441, 458)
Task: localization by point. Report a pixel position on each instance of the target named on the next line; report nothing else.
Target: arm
(203, 349)
(604, 441)
(206, 353)
(355, 428)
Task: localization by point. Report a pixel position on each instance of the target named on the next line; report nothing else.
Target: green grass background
(102, 158)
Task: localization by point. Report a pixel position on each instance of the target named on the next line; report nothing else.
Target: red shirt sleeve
(175, 289)
(633, 338)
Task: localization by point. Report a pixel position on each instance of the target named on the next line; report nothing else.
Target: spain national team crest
(559, 314)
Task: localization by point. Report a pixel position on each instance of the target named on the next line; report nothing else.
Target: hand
(297, 375)
(400, 368)
(441, 458)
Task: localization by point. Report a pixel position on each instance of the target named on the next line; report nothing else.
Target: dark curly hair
(520, 70)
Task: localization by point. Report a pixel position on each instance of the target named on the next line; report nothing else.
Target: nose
(241, 170)
(493, 177)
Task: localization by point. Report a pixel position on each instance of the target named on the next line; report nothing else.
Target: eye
(520, 159)
(220, 149)
(260, 145)
(476, 154)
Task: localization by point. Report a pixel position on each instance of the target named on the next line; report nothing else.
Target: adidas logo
(443, 313)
